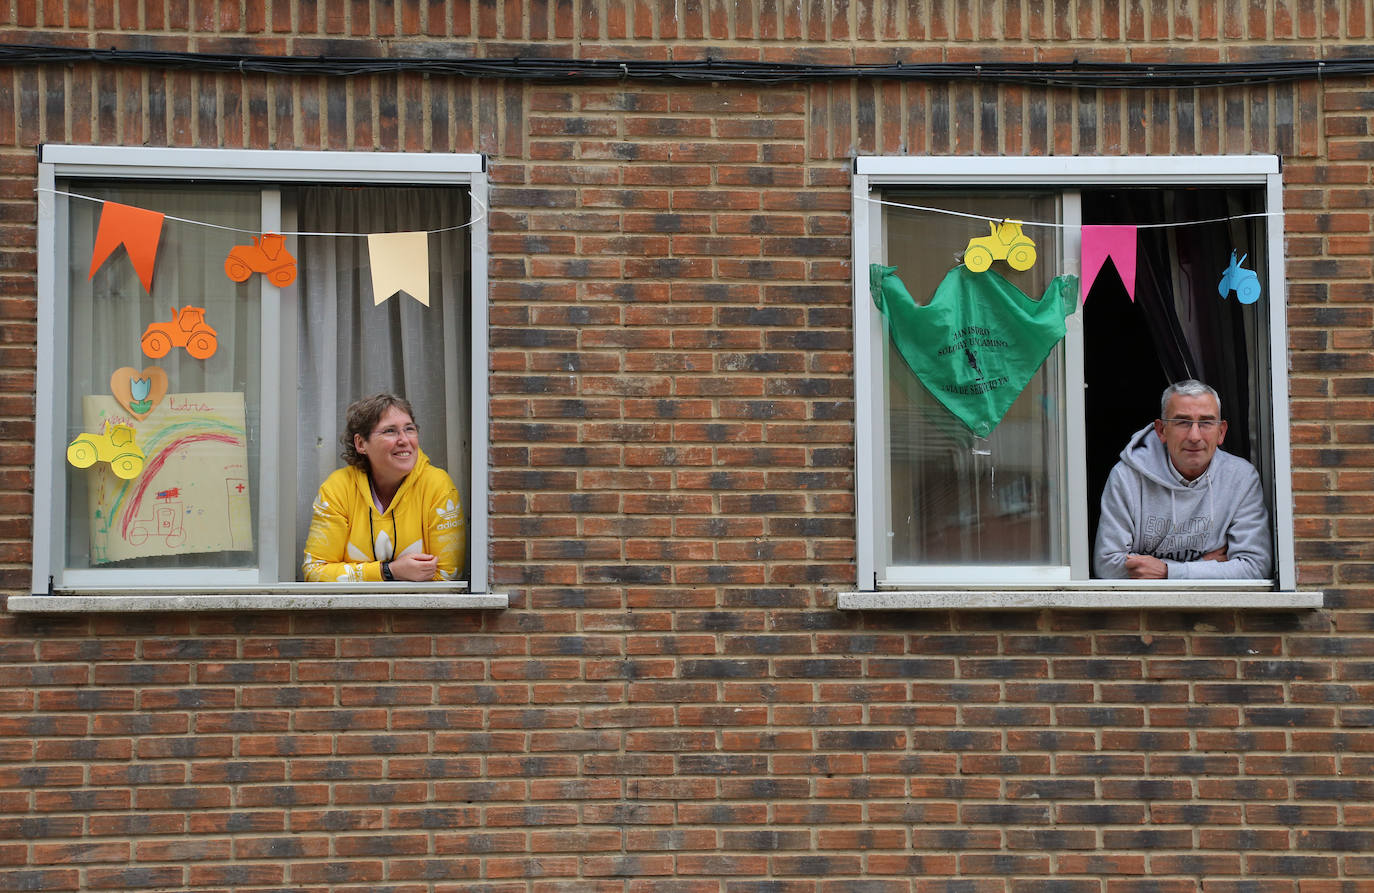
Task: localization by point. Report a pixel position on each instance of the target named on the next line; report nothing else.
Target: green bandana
(979, 341)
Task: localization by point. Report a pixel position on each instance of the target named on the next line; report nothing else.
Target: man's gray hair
(1189, 387)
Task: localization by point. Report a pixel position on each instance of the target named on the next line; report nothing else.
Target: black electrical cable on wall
(1125, 75)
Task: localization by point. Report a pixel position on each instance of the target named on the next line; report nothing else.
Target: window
(940, 509)
(243, 348)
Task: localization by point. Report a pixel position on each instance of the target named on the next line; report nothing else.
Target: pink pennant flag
(138, 230)
(1102, 242)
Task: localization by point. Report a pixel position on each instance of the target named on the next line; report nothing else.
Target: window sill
(301, 597)
(1091, 599)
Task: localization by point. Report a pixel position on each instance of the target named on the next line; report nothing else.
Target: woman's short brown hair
(361, 417)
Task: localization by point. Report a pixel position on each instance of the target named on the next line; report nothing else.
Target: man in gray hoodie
(1177, 508)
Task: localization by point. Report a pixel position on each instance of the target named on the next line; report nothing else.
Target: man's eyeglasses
(1187, 424)
(391, 432)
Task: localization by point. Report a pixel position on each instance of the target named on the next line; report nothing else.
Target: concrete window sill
(1083, 599)
(300, 597)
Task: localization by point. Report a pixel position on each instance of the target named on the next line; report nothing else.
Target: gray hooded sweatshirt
(1148, 509)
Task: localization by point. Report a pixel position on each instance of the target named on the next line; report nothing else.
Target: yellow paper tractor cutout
(1005, 242)
(114, 445)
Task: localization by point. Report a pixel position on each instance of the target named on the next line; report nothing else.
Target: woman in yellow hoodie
(389, 514)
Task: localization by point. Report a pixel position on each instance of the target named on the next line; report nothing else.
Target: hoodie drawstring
(372, 536)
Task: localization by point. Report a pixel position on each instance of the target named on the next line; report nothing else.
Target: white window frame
(267, 586)
(886, 587)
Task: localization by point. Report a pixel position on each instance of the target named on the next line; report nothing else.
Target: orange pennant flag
(137, 230)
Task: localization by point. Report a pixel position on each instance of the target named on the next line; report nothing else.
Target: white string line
(875, 201)
(234, 229)
(878, 201)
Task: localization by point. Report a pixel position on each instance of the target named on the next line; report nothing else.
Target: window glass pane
(172, 480)
(349, 347)
(956, 498)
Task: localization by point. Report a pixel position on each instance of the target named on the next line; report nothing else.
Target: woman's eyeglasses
(391, 432)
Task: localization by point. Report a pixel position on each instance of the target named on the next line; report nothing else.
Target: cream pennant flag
(400, 262)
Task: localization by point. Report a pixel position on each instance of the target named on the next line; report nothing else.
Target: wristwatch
(386, 572)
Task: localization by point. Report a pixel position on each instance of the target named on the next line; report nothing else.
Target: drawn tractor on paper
(1245, 282)
(1004, 242)
(165, 524)
(114, 445)
(266, 255)
(187, 329)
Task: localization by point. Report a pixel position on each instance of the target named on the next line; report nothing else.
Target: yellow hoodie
(349, 539)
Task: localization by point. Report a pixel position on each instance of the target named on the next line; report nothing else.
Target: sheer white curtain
(110, 311)
(350, 348)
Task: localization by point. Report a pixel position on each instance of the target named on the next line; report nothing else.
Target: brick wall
(672, 703)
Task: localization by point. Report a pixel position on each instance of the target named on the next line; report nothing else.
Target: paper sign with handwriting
(193, 493)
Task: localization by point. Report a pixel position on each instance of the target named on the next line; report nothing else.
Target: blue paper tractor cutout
(1245, 282)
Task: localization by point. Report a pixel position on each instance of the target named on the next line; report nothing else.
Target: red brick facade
(672, 701)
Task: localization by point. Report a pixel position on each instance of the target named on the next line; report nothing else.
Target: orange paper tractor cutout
(266, 255)
(187, 329)
(114, 445)
(1005, 242)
